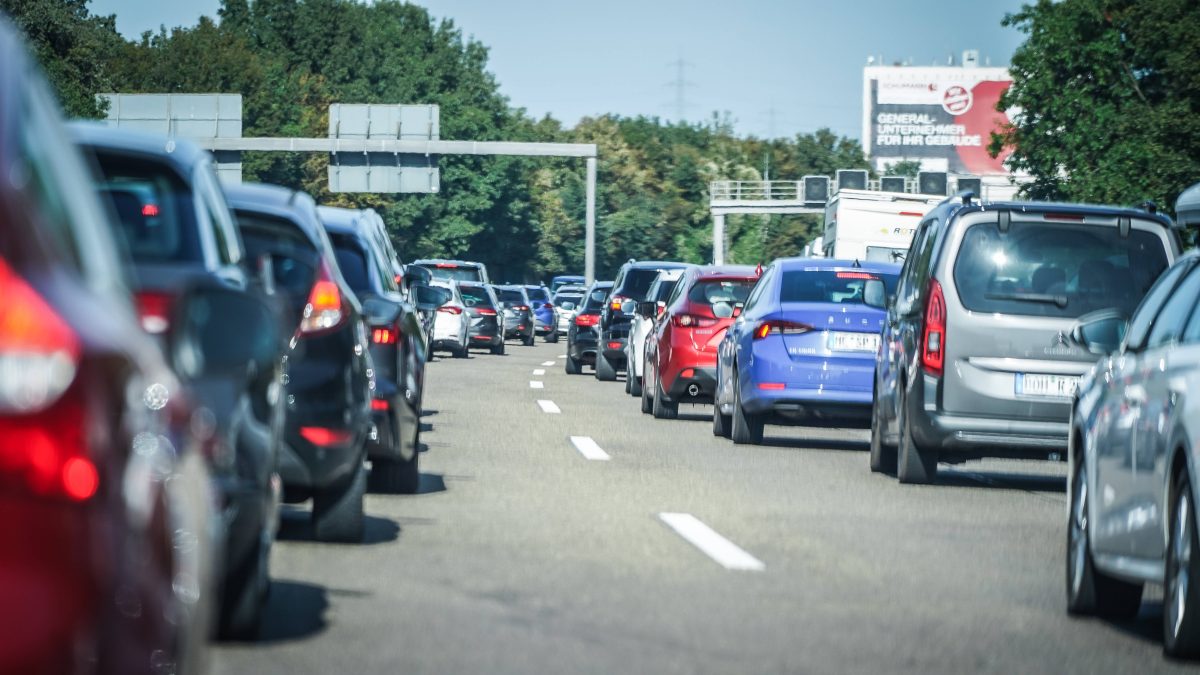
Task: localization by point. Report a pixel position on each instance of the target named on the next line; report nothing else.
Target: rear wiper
(1044, 298)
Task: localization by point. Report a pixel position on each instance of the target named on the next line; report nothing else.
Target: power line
(681, 84)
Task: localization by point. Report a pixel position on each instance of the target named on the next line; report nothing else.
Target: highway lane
(540, 544)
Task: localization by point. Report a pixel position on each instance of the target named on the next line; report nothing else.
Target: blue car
(803, 349)
(545, 321)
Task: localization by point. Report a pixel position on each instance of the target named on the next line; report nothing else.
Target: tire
(635, 383)
(498, 350)
(915, 465)
(647, 402)
(572, 365)
(1090, 591)
(1181, 593)
(661, 408)
(338, 512)
(552, 337)
(746, 429)
(604, 369)
(461, 352)
(721, 422)
(627, 379)
(883, 456)
(244, 595)
(398, 476)
(529, 340)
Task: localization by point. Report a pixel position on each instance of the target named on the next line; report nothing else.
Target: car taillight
(154, 311)
(692, 321)
(325, 436)
(548, 306)
(616, 301)
(43, 436)
(324, 309)
(484, 311)
(522, 308)
(933, 347)
(379, 404)
(384, 336)
(587, 320)
(451, 309)
(779, 327)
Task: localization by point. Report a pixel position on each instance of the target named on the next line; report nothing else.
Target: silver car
(1135, 433)
(975, 359)
(567, 301)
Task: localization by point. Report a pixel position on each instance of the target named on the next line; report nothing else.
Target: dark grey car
(976, 359)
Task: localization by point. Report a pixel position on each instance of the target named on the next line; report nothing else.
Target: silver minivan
(976, 358)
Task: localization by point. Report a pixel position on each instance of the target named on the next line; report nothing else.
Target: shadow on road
(429, 413)
(1000, 480)
(431, 483)
(294, 611)
(295, 524)
(426, 426)
(847, 444)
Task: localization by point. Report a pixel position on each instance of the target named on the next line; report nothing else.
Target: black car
(486, 328)
(329, 366)
(629, 288)
(397, 348)
(583, 337)
(517, 310)
(179, 232)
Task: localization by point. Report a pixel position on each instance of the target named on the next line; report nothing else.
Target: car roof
(179, 152)
(654, 265)
(792, 264)
(342, 220)
(432, 261)
(282, 202)
(719, 271)
(955, 206)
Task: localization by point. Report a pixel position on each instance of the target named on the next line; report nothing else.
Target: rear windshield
(353, 262)
(637, 283)
(567, 297)
(537, 293)
(596, 298)
(715, 291)
(155, 212)
(453, 271)
(1056, 270)
(475, 296)
(293, 256)
(509, 295)
(664, 290)
(426, 295)
(833, 286)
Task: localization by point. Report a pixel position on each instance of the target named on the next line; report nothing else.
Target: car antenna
(857, 264)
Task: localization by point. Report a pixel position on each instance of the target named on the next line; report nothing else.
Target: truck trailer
(874, 226)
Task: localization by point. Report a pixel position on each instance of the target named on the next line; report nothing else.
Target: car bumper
(698, 385)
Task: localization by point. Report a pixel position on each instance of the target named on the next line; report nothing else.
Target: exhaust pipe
(693, 390)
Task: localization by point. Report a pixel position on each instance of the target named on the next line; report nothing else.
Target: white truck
(873, 226)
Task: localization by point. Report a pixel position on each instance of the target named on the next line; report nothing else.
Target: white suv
(635, 347)
(450, 323)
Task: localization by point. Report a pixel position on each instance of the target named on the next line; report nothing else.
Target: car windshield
(155, 210)
(537, 294)
(1057, 270)
(453, 271)
(293, 256)
(475, 296)
(721, 291)
(510, 295)
(637, 282)
(832, 286)
(562, 298)
(430, 295)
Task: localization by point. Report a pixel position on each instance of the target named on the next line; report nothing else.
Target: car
(175, 224)
(516, 310)
(567, 301)
(629, 288)
(639, 330)
(397, 347)
(455, 270)
(1132, 481)
(583, 337)
(545, 316)
(451, 324)
(681, 348)
(566, 280)
(329, 367)
(102, 473)
(803, 350)
(975, 355)
(483, 310)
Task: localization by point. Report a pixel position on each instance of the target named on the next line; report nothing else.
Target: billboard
(941, 116)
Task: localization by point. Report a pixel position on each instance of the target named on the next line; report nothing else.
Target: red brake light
(856, 275)
(324, 436)
(780, 327)
(693, 321)
(933, 347)
(486, 311)
(522, 308)
(450, 309)
(384, 336)
(324, 309)
(451, 266)
(548, 306)
(586, 320)
(399, 279)
(379, 404)
(149, 210)
(772, 386)
(154, 310)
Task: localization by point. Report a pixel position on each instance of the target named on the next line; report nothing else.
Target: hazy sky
(801, 59)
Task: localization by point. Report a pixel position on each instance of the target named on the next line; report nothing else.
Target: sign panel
(194, 116)
(942, 116)
(381, 171)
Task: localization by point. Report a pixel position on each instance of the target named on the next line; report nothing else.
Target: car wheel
(399, 476)
(461, 352)
(604, 369)
(647, 378)
(244, 594)
(529, 340)
(1181, 597)
(662, 409)
(746, 429)
(628, 377)
(915, 465)
(721, 422)
(552, 338)
(883, 456)
(338, 512)
(1090, 591)
(572, 365)
(635, 383)
(498, 350)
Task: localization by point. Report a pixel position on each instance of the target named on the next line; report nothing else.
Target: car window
(665, 288)
(352, 260)
(1139, 325)
(537, 293)
(475, 296)
(596, 298)
(509, 295)
(1169, 324)
(716, 291)
(637, 283)
(760, 287)
(293, 256)
(567, 297)
(846, 287)
(156, 214)
(453, 271)
(906, 289)
(1056, 269)
(229, 247)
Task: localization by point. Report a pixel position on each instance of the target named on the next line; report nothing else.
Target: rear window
(509, 295)
(567, 297)
(475, 296)
(832, 286)
(352, 260)
(453, 271)
(637, 283)
(664, 290)
(1056, 270)
(596, 298)
(537, 293)
(717, 291)
(155, 210)
(293, 256)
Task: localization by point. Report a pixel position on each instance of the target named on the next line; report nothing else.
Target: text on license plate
(854, 342)
(1054, 386)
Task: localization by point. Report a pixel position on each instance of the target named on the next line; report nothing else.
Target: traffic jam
(187, 364)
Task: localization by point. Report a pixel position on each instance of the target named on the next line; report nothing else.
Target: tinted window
(1057, 270)
(352, 260)
(840, 287)
(596, 298)
(664, 290)
(156, 214)
(1139, 325)
(453, 271)
(475, 296)
(760, 287)
(728, 291)
(1168, 325)
(293, 256)
(426, 295)
(509, 295)
(537, 293)
(567, 297)
(637, 283)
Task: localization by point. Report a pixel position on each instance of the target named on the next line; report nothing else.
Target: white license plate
(1052, 386)
(854, 342)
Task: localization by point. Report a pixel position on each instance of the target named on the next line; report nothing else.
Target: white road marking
(548, 363)
(534, 384)
(548, 406)
(539, 371)
(562, 356)
(588, 448)
(724, 552)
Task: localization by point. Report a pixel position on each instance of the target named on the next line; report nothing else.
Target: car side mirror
(1099, 332)
(647, 309)
(414, 275)
(222, 331)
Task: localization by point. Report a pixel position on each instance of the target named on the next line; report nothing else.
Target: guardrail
(756, 190)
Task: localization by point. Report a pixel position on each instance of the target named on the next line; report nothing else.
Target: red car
(681, 350)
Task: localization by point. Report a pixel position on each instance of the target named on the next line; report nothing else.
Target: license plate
(854, 342)
(1051, 386)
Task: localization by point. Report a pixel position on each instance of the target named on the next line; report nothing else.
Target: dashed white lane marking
(539, 371)
(548, 406)
(562, 356)
(588, 448)
(534, 384)
(548, 363)
(724, 552)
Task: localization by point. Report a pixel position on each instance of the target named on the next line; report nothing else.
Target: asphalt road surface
(654, 547)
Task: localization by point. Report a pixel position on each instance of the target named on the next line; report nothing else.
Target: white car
(635, 346)
(451, 324)
(567, 300)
